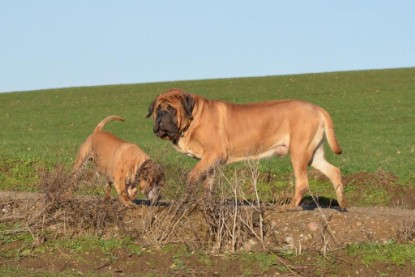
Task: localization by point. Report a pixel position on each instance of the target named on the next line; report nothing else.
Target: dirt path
(319, 227)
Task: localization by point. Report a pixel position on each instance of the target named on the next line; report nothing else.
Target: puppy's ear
(151, 108)
(188, 104)
(160, 176)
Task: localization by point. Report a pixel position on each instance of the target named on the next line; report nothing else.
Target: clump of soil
(398, 195)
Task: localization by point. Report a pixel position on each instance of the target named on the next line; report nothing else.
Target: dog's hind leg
(301, 180)
(84, 153)
(300, 157)
(332, 172)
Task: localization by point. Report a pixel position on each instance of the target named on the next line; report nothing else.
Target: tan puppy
(123, 163)
(217, 132)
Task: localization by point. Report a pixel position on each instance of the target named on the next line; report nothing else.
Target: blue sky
(50, 44)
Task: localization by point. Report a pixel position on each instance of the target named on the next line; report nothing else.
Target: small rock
(289, 240)
(288, 247)
(250, 244)
(313, 226)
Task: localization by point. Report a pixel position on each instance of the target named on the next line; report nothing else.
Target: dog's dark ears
(152, 172)
(151, 108)
(188, 104)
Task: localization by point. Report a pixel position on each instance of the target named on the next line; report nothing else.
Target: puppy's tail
(329, 130)
(106, 120)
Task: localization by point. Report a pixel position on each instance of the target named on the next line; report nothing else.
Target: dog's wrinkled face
(151, 176)
(171, 112)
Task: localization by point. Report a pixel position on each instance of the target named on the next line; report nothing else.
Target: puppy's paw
(133, 206)
(342, 209)
(128, 203)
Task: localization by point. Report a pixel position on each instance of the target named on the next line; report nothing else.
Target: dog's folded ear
(151, 172)
(151, 108)
(188, 104)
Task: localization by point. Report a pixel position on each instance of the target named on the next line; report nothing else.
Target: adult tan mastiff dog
(124, 164)
(217, 132)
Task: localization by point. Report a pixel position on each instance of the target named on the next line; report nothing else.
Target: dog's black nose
(161, 113)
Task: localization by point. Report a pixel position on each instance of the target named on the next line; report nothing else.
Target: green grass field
(373, 111)
(374, 115)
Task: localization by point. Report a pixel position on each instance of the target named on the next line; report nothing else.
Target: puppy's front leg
(122, 193)
(107, 195)
(132, 192)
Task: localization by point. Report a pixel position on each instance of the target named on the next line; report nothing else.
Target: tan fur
(219, 132)
(118, 160)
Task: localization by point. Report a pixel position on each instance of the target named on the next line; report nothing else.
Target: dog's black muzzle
(165, 125)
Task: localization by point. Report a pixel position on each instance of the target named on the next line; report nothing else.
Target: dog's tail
(329, 130)
(106, 120)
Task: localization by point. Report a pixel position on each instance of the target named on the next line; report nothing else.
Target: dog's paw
(132, 207)
(342, 209)
(128, 204)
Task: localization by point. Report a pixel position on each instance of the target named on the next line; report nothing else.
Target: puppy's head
(151, 180)
(172, 112)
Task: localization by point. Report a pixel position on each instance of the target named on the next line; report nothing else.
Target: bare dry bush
(227, 220)
(406, 233)
(176, 222)
(61, 212)
(57, 184)
(235, 221)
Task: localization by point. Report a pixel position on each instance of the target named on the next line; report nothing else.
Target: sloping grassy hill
(373, 111)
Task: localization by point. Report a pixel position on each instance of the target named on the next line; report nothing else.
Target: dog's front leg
(120, 186)
(205, 169)
(107, 195)
(209, 182)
